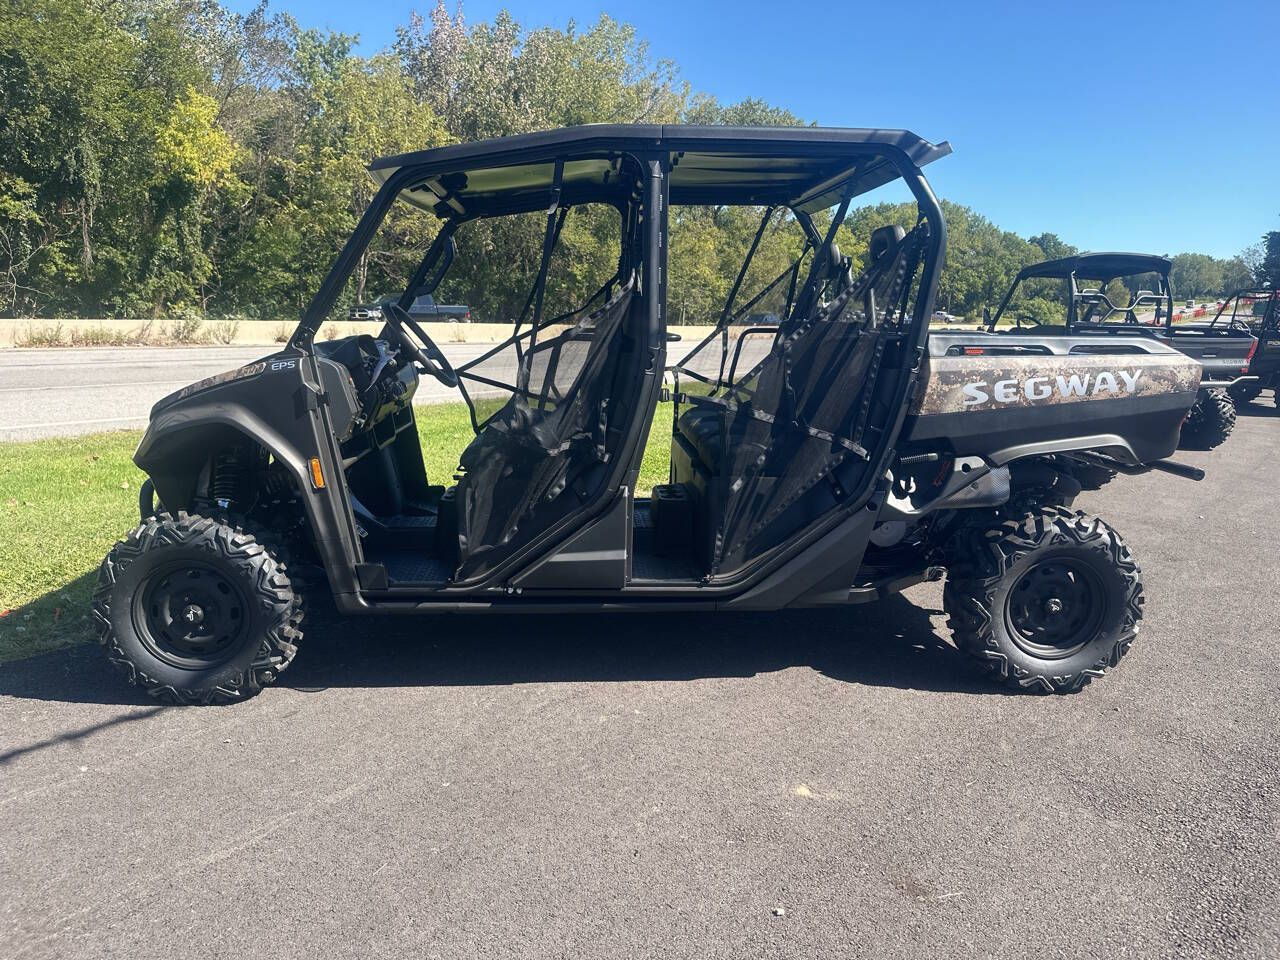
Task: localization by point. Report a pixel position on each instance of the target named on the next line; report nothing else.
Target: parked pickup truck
(425, 308)
(1222, 349)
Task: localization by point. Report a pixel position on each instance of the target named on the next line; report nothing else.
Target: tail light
(1253, 348)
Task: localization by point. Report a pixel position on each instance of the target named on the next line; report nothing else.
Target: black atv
(1223, 350)
(825, 450)
(1258, 310)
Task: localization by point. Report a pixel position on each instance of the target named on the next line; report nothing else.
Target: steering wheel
(429, 355)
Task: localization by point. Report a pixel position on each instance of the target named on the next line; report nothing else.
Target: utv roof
(809, 168)
(1098, 266)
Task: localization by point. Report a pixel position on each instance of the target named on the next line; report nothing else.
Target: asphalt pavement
(810, 784)
(65, 391)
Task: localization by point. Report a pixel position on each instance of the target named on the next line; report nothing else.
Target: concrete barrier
(73, 332)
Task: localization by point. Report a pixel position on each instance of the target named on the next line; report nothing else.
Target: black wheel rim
(1056, 608)
(191, 616)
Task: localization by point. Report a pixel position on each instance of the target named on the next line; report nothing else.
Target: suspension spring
(226, 477)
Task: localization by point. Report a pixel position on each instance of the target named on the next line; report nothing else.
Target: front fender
(178, 443)
(277, 409)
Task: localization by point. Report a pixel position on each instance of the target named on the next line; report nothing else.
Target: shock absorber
(226, 477)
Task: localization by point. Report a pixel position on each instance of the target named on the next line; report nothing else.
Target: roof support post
(336, 278)
(555, 218)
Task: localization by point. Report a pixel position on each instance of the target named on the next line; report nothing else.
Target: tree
(1196, 274)
(1052, 246)
(706, 110)
(982, 259)
(496, 79)
(1267, 273)
(354, 109)
(64, 118)
(179, 157)
(192, 155)
(1236, 275)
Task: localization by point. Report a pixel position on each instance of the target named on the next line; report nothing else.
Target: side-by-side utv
(824, 451)
(1224, 350)
(1258, 310)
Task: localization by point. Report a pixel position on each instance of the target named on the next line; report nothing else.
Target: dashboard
(367, 381)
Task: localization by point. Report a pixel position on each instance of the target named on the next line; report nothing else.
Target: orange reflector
(317, 475)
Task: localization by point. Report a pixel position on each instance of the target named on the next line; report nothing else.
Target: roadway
(65, 391)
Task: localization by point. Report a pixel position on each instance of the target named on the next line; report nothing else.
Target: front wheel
(196, 610)
(1044, 603)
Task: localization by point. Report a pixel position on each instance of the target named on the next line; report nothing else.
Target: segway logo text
(1043, 388)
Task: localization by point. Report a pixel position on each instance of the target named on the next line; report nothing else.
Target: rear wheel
(196, 610)
(1210, 421)
(1044, 603)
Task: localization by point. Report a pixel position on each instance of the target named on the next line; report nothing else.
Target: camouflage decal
(960, 384)
(239, 373)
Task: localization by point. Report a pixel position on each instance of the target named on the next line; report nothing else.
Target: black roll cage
(438, 258)
(728, 315)
(1073, 270)
(862, 159)
(1270, 319)
(874, 158)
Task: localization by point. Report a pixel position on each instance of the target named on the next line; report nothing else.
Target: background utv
(1223, 349)
(1258, 311)
(824, 449)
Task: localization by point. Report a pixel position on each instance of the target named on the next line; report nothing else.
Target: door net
(786, 436)
(548, 428)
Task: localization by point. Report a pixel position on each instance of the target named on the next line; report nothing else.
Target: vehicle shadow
(891, 643)
(1261, 407)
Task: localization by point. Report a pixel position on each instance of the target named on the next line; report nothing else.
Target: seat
(756, 450)
(549, 432)
(884, 242)
(702, 427)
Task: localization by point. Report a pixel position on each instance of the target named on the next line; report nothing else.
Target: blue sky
(1134, 126)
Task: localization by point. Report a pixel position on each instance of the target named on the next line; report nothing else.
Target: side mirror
(673, 337)
(986, 316)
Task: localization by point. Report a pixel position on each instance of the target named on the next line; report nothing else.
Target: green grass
(445, 430)
(64, 502)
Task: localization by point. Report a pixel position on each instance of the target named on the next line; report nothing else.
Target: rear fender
(1110, 443)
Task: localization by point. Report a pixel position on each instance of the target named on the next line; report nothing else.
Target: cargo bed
(1001, 396)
